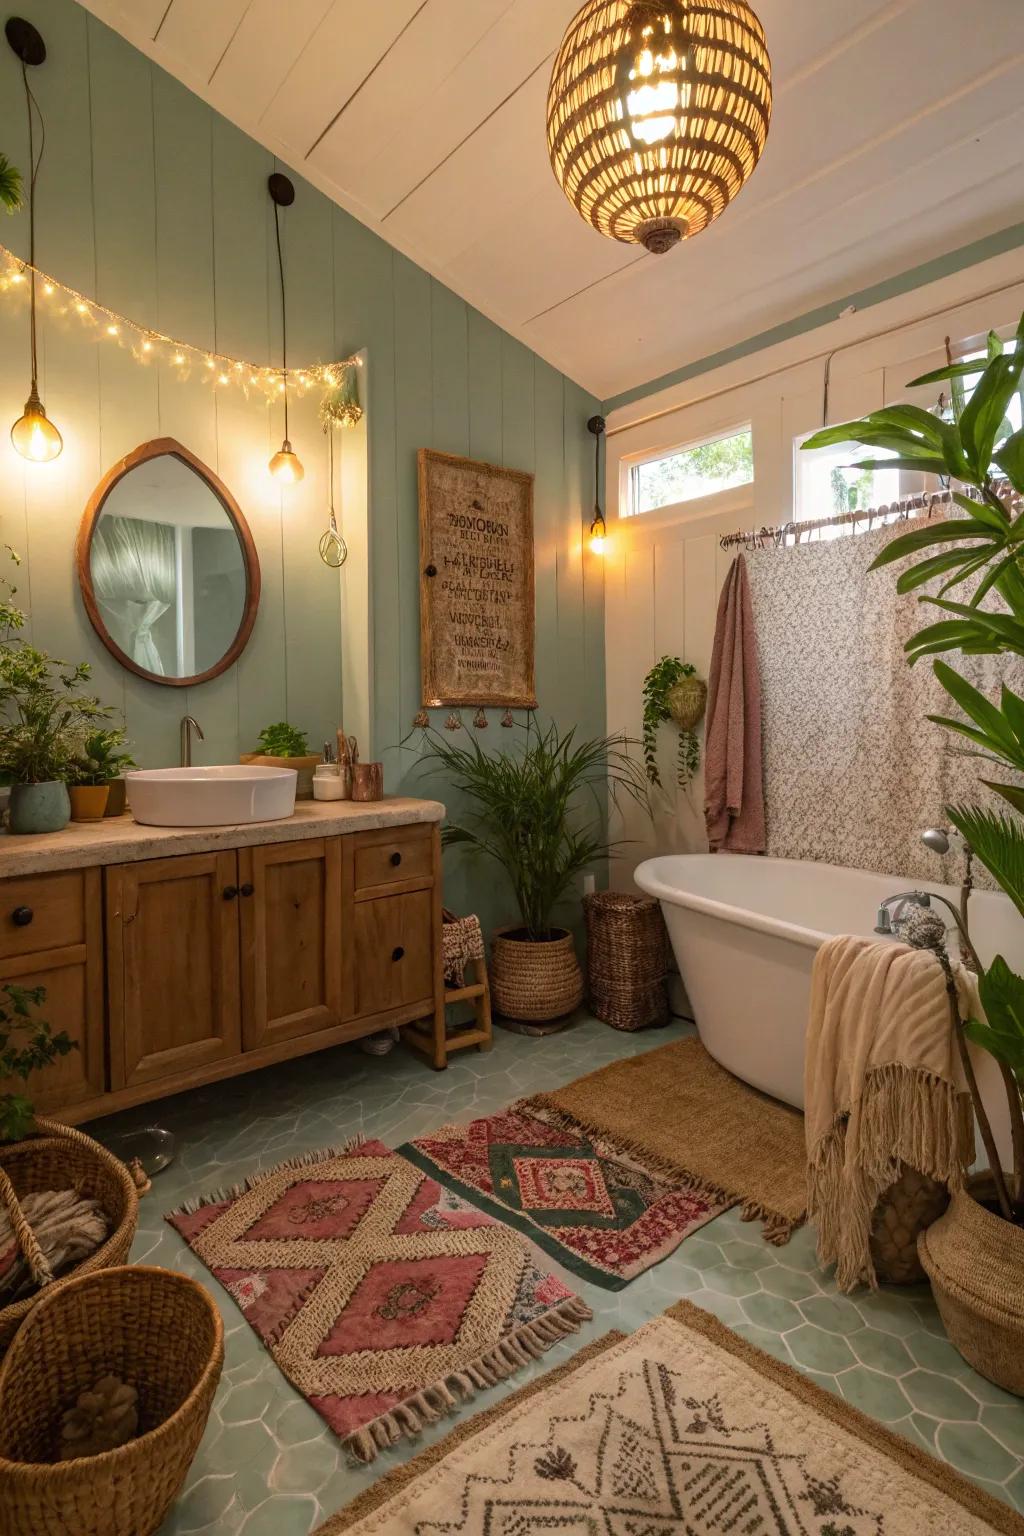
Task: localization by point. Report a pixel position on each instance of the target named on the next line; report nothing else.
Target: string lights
(147, 346)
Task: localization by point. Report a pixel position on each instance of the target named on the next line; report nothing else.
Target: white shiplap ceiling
(898, 135)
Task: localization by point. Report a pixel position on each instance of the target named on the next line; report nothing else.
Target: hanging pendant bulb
(34, 436)
(598, 539)
(286, 466)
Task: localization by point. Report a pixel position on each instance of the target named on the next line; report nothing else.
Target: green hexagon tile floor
(269, 1467)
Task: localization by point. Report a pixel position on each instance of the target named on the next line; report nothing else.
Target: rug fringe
(235, 1191)
(778, 1227)
(410, 1417)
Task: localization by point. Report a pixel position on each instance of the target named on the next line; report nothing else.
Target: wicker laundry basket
(627, 960)
(901, 1215)
(60, 1157)
(154, 1330)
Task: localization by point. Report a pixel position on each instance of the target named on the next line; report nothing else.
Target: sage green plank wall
(155, 205)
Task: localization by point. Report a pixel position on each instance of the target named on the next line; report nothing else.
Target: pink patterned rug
(385, 1299)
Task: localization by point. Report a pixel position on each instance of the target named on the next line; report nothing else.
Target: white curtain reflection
(133, 574)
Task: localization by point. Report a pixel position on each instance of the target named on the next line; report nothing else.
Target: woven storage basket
(910, 1205)
(975, 1262)
(627, 959)
(61, 1157)
(535, 982)
(155, 1330)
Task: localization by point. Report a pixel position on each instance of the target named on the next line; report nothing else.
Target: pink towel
(733, 780)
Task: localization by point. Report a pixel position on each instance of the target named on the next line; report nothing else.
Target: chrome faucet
(883, 922)
(188, 725)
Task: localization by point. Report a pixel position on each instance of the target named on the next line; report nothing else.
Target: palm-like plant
(538, 812)
(987, 547)
(11, 188)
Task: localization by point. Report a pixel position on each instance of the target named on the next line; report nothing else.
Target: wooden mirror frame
(156, 448)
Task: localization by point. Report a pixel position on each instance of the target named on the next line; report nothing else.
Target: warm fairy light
(33, 435)
(286, 466)
(148, 345)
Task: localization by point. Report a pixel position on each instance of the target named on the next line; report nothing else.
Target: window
(703, 469)
(828, 483)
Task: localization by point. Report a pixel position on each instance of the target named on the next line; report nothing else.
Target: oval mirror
(167, 566)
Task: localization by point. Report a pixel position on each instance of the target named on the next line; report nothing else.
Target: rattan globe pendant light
(658, 112)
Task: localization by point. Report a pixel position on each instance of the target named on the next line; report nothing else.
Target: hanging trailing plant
(11, 188)
(665, 699)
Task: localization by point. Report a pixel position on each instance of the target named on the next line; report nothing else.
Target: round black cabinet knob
(22, 916)
(396, 859)
(230, 892)
(397, 952)
(430, 570)
(247, 889)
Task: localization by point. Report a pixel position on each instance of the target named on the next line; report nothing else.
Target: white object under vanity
(177, 956)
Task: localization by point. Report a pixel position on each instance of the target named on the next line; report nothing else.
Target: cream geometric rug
(680, 1429)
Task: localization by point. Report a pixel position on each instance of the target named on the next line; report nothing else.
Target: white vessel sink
(210, 797)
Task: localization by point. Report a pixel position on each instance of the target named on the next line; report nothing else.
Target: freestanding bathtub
(745, 932)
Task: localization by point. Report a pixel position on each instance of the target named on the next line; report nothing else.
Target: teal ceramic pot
(40, 807)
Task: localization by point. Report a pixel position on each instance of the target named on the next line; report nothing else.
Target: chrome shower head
(936, 839)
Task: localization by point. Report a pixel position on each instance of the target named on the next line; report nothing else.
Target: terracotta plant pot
(975, 1260)
(89, 801)
(535, 981)
(40, 807)
(304, 766)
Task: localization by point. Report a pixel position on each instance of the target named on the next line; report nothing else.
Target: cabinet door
(172, 954)
(51, 936)
(392, 953)
(291, 939)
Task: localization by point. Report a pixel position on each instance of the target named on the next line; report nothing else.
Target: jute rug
(594, 1209)
(682, 1115)
(681, 1429)
(384, 1299)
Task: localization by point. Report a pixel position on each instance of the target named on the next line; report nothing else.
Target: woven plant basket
(535, 982)
(627, 960)
(687, 701)
(901, 1215)
(975, 1262)
(60, 1157)
(158, 1332)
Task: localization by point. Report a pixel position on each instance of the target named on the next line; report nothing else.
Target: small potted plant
(537, 814)
(673, 692)
(93, 770)
(42, 712)
(27, 1044)
(283, 746)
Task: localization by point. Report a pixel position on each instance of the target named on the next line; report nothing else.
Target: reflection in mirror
(168, 571)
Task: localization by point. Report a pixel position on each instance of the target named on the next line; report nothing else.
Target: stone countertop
(123, 840)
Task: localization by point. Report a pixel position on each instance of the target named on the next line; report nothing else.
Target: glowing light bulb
(598, 535)
(33, 435)
(19, 277)
(178, 357)
(656, 90)
(286, 466)
(47, 287)
(111, 330)
(222, 378)
(147, 346)
(83, 309)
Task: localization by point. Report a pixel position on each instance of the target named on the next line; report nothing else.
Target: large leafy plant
(537, 812)
(978, 561)
(43, 710)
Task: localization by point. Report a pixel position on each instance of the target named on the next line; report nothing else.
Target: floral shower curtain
(853, 769)
(133, 574)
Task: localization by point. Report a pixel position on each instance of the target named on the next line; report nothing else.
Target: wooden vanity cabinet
(51, 935)
(218, 962)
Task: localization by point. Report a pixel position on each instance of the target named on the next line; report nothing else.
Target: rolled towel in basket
(66, 1225)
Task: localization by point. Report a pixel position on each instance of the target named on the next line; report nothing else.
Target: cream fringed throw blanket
(882, 1088)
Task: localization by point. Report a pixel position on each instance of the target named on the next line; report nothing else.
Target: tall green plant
(538, 812)
(11, 187)
(986, 547)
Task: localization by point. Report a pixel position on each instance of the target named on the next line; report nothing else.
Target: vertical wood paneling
(669, 600)
(158, 206)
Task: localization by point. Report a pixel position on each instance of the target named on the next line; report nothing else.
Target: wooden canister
(368, 781)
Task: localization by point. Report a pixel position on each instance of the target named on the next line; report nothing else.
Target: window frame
(730, 498)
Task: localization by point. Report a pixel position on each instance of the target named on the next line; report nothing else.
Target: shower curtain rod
(774, 537)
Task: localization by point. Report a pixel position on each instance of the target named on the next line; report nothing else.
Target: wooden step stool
(432, 1038)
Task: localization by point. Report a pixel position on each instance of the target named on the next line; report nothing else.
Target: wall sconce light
(598, 527)
(33, 435)
(286, 466)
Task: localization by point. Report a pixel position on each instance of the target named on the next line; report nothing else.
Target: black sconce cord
(35, 161)
(284, 317)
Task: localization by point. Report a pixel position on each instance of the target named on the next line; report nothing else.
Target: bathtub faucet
(883, 922)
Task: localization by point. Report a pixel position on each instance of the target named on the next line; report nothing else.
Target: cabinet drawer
(42, 912)
(385, 858)
(392, 954)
